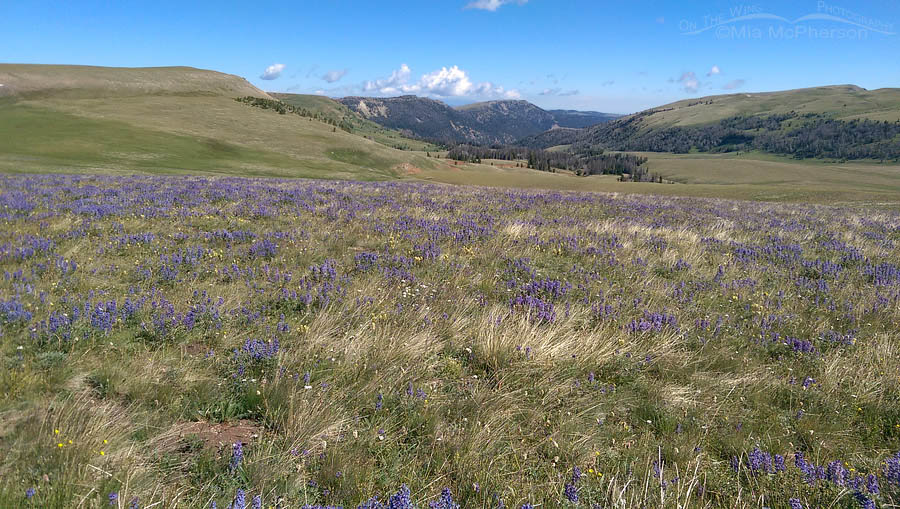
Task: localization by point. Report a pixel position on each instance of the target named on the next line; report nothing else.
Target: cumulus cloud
(449, 82)
(492, 5)
(734, 84)
(392, 85)
(332, 76)
(444, 82)
(689, 82)
(714, 71)
(272, 72)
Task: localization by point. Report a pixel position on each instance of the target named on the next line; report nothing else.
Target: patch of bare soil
(216, 436)
(408, 169)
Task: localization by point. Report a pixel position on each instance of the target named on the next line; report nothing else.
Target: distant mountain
(489, 122)
(506, 120)
(577, 119)
(837, 122)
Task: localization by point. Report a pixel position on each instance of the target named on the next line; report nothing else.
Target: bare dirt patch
(408, 169)
(217, 436)
(195, 349)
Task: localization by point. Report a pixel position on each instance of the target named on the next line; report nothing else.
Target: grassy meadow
(230, 342)
(746, 176)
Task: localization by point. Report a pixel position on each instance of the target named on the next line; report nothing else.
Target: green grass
(32, 138)
(841, 102)
(124, 121)
(748, 176)
(511, 403)
(360, 125)
(170, 120)
(34, 81)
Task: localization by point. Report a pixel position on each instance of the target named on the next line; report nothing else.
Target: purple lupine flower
(135, 504)
(576, 474)
(445, 501)
(240, 501)
(864, 501)
(795, 503)
(113, 498)
(836, 472)
(237, 455)
(29, 493)
(872, 484)
(379, 402)
(257, 502)
(571, 492)
(400, 500)
(779, 463)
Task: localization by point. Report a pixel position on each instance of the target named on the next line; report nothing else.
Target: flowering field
(261, 343)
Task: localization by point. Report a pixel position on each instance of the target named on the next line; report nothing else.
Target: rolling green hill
(170, 120)
(358, 124)
(178, 120)
(841, 102)
(31, 81)
(838, 122)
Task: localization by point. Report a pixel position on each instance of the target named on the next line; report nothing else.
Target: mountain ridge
(487, 122)
(837, 122)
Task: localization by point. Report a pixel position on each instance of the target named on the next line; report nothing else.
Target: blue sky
(607, 56)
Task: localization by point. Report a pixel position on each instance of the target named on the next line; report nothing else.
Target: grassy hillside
(360, 125)
(170, 120)
(123, 121)
(844, 102)
(836, 123)
(33, 81)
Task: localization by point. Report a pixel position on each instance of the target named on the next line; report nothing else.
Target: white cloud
(492, 5)
(391, 85)
(714, 71)
(558, 92)
(734, 84)
(448, 82)
(444, 82)
(332, 76)
(272, 72)
(689, 82)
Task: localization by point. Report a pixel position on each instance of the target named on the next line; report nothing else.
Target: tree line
(283, 109)
(593, 162)
(801, 136)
